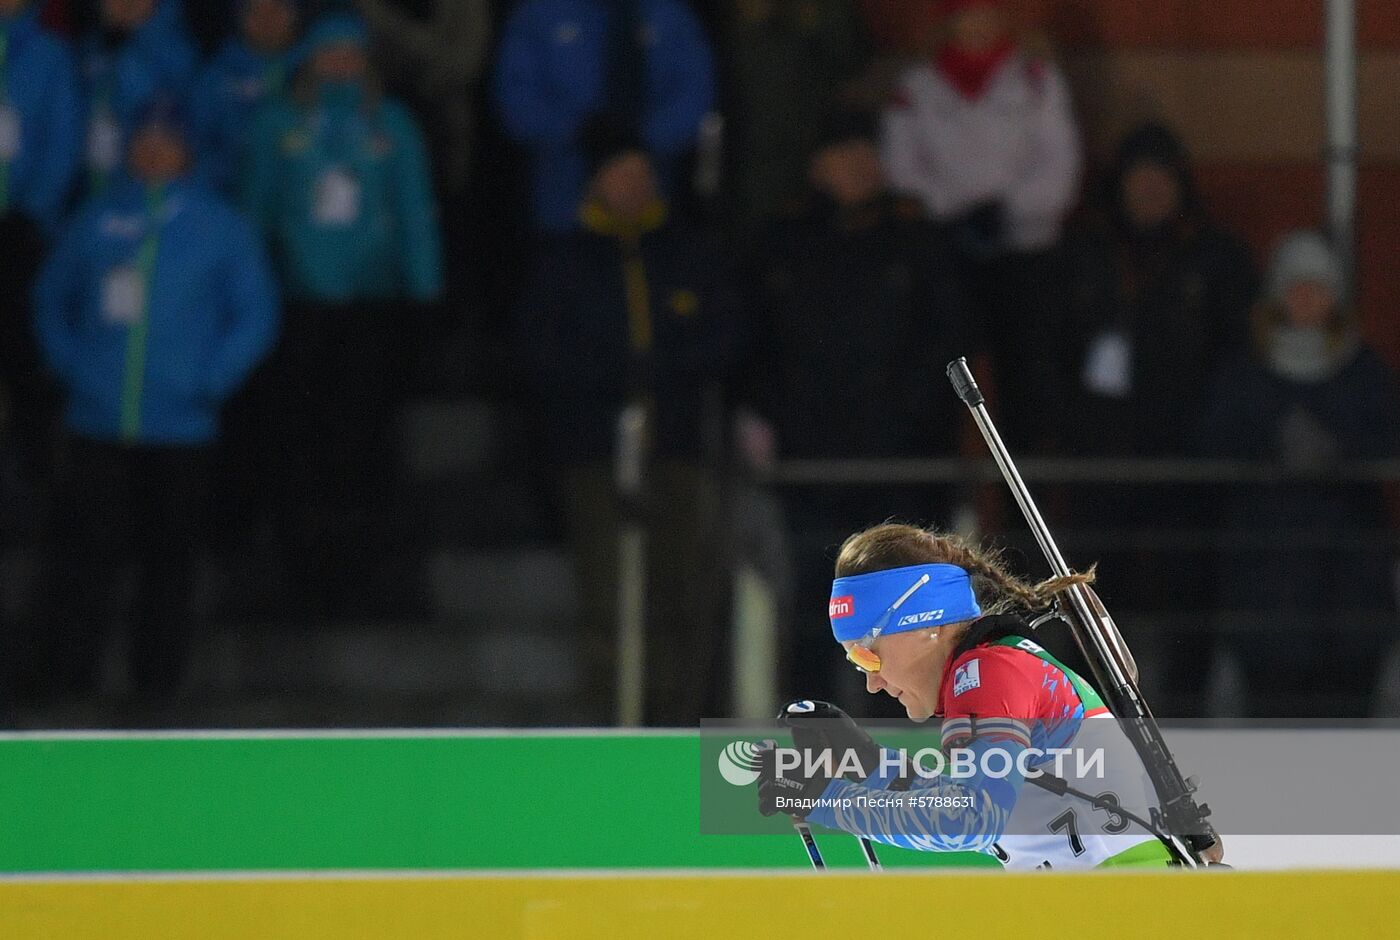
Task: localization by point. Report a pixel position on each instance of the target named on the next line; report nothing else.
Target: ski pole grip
(963, 382)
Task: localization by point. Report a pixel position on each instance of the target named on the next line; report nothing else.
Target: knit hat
(1304, 256)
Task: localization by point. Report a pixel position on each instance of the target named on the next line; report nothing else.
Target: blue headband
(900, 599)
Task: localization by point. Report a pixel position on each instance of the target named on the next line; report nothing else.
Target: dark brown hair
(897, 545)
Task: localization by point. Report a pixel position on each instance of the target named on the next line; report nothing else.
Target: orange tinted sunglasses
(860, 653)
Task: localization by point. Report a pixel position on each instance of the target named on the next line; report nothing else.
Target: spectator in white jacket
(983, 137)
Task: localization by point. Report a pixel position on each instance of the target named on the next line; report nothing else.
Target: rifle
(1179, 817)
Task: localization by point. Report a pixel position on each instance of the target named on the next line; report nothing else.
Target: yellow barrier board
(608, 906)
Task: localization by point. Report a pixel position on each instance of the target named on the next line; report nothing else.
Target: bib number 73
(1068, 822)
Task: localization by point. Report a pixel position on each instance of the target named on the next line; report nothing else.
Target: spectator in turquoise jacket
(154, 307)
(339, 182)
(140, 51)
(40, 121)
(248, 70)
(338, 179)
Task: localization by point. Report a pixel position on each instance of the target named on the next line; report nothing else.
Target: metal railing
(1129, 470)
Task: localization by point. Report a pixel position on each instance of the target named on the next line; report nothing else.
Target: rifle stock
(1098, 638)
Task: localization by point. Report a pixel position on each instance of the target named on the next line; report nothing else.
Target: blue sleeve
(532, 110)
(888, 770)
(418, 216)
(251, 310)
(939, 814)
(681, 70)
(57, 295)
(61, 144)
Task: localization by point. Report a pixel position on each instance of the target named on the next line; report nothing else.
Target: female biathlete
(931, 621)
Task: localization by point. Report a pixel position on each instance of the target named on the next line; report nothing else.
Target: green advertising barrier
(502, 800)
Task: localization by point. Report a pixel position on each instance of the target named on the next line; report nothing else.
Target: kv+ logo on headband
(869, 604)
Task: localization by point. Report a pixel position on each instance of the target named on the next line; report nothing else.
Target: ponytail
(897, 545)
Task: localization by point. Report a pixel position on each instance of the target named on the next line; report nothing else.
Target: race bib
(336, 202)
(123, 296)
(1108, 366)
(10, 132)
(104, 143)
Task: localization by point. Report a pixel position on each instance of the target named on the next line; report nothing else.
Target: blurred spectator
(40, 118)
(862, 309)
(1308, 605)
(579, 81)
(635, 316)
(786, 62)
(438, 49)
(248, 70)
(983, 136)
(338, 181)
(139, 52)
(155, 305)
(1159, 296)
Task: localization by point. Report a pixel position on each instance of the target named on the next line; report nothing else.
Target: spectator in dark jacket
(1160, 295)
(630, 325)
(577, 79)
(156, 304)
(40, 121)
(1306, 602)
(861, 313)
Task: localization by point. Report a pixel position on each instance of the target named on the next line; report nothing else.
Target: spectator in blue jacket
(153, 308)
(40, 116)
(139, 52)
(580, 81)
(250, 69)
(338, 181)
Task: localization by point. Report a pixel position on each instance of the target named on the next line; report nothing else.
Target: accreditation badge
(123, 296)
(11, 131)
(336, 200)
(1108, 366)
